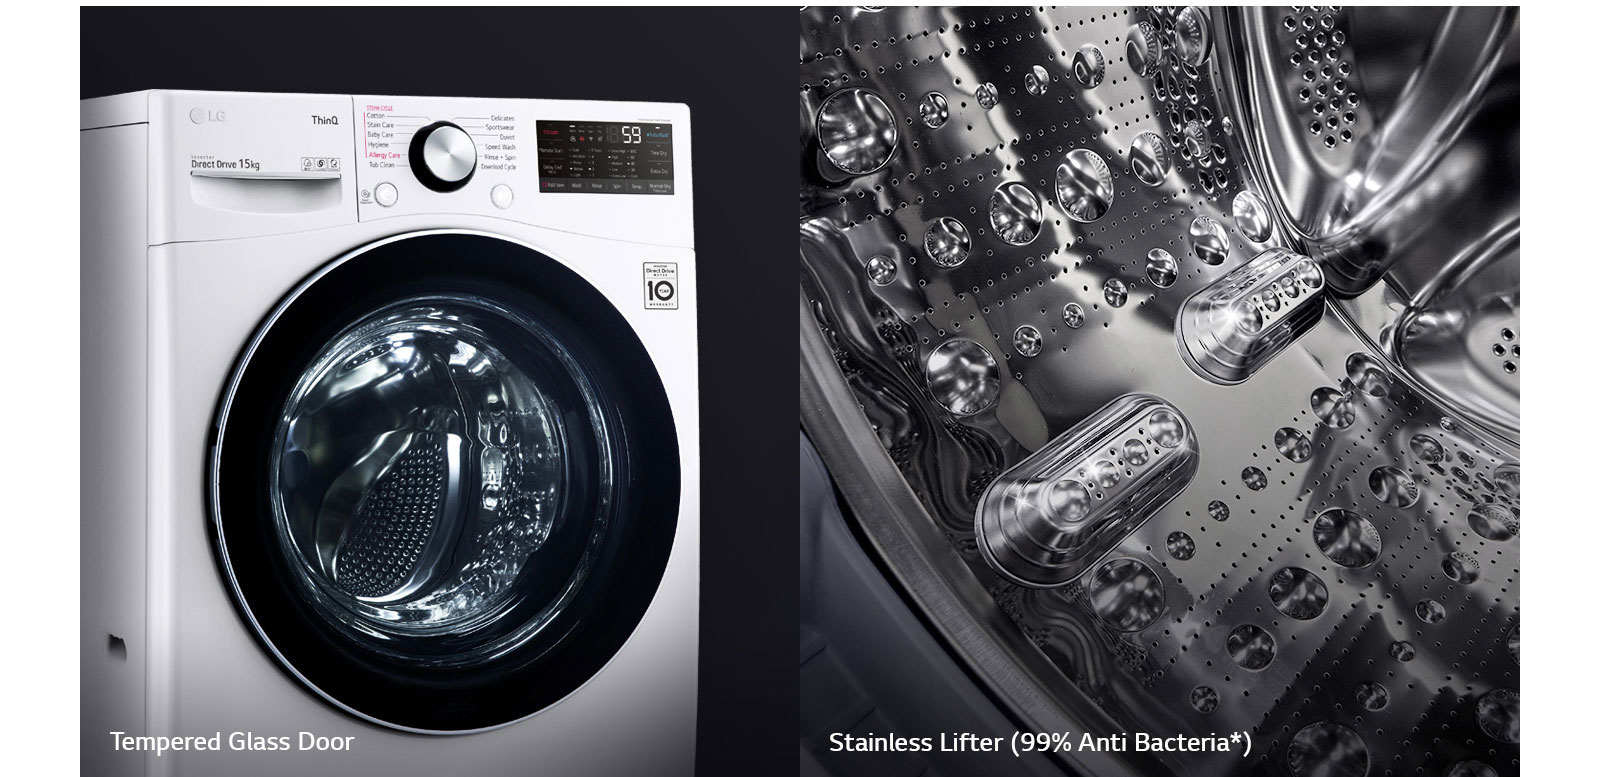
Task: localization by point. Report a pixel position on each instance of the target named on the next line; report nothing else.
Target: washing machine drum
(446, 482)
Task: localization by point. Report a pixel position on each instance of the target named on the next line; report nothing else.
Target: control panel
(232, 164)
(589, 157)
(603, 168)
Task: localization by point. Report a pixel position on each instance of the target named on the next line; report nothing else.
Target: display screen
(599, 157)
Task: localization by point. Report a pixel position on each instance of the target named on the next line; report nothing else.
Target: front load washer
(389, 432)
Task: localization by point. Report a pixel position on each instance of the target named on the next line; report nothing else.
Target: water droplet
(1166, 429)
(1508, 482)
(934, 109)
(1372, 696)
(1072, 315)
(1251, 647)
(1135, 453)
(1180, 546)
(1251, 214)
(881, 269)
(1037, 81)
(1298, 593)
(1393, 487)
(1218, 510)
(1493, 522)
(988, 95)
(1089, 66)
(1426, 449)
(963, 377)
(1083, 185)
(1149, 158)
(1402, 651)
(1333, 407)
(1461, 567)
(1325, 749)
(1161, 268)
(1368, 375)
(1027, 340)
(1127, 595)
(1191, 36)
(1471, 769)
(1116, 292)
(1346, 538)
(1204, 699)
(1430, 611)
(947, 242)
(1253, 478)
(1208, 239)
(1144, 49)
(1499, 714)
(1196, 139)
(1015, 213)
(1292, 443)
(856, 131)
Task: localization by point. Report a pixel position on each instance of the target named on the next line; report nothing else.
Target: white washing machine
(390, 453)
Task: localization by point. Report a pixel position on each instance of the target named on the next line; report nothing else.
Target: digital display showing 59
(597, 157)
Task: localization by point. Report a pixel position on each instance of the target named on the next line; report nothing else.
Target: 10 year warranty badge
(660, 286)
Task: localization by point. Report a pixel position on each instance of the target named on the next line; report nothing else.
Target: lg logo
(201, 116)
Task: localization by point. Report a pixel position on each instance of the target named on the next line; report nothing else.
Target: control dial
(443, 156)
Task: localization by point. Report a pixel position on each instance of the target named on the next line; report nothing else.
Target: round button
(386, 194)
(449, 154)
(501, 196)
(443, 156)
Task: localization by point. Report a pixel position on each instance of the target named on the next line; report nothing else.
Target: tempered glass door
(445, 483)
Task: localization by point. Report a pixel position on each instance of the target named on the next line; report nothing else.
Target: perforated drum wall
(1007, 248)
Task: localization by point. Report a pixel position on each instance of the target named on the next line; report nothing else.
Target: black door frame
(579, 640)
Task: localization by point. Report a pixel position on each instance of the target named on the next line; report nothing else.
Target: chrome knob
(443, 156)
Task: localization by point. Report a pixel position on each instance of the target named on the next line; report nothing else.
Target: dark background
(731, 67)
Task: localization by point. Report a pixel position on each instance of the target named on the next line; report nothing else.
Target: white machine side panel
(504, 133)
(113, 434)
(116, 110)
(231, 165)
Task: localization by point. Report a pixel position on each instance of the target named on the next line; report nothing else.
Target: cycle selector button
(443, 156)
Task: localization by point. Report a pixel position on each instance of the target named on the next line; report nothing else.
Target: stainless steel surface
(1370, 125)
(1048, 519)
(1346, 538)
(449, 153)
(384, 531)
(1460, 334)
(857, 134)
(1229, 330)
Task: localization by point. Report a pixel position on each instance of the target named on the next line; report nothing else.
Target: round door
(445, 482)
